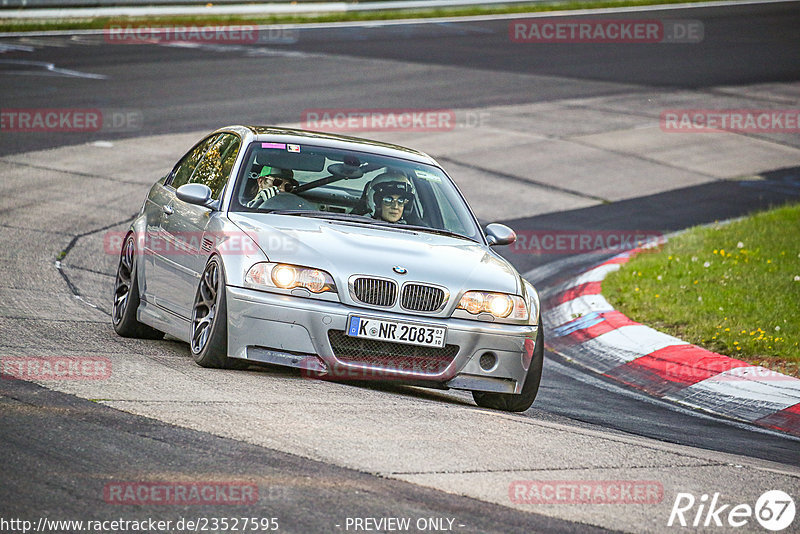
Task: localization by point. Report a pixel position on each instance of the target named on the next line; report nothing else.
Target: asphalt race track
(549, 138)
(466, 65)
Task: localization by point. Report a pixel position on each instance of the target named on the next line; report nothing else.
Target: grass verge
(730, 288)
(88, 23)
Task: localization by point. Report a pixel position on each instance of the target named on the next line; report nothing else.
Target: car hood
(344, 249)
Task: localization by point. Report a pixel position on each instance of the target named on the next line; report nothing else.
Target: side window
(216, 165)
(184, 169)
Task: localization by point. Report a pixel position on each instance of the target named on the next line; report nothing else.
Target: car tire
(520, 402)
(126, 296)
(209, 329)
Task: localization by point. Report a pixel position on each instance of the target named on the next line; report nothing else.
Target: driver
(391, 192)
(271, 181)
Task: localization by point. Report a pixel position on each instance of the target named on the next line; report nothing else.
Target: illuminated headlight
(500, 305)
(284, 276)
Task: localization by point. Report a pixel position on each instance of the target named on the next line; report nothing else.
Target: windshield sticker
(273, 145)
(293, 148)
(425, 175)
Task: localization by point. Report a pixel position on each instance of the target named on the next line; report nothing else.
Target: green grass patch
(19, 25)
(730, 288)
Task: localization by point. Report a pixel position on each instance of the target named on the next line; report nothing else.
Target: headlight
(500, 305)
(284, 276)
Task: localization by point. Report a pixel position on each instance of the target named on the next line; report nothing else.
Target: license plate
(396, 331)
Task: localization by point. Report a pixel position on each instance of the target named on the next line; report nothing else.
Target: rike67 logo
(774, 510)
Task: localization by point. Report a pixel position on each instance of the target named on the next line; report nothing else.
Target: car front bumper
(294, 331)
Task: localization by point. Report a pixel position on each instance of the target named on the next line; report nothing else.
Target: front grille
(418, 297)
(375, 291)
(390, 356)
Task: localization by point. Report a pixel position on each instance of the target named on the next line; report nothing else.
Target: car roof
(327, 140)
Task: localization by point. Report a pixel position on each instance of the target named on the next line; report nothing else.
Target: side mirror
(499, 234)
(199, 194)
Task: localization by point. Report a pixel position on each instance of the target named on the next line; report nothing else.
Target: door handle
(168, 210)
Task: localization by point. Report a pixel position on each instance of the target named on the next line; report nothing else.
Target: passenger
(272, 181)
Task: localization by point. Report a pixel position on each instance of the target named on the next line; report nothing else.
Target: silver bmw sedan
(346, 258)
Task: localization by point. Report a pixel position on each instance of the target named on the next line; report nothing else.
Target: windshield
(358, 186)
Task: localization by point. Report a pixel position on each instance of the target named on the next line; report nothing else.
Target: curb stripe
(636, 339)
(589, 288)
(579, 307)
(590, 331)
(619, 259)
(740, 399)
(687, 364)
(673, 368)
(573, 292)
(787, 419)
(599, 273)
(600, 324)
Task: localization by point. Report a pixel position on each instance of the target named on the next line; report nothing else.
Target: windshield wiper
(293, 212)
(434, 231)
(350, 217)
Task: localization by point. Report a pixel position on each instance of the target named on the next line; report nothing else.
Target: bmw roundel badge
(399, 270)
